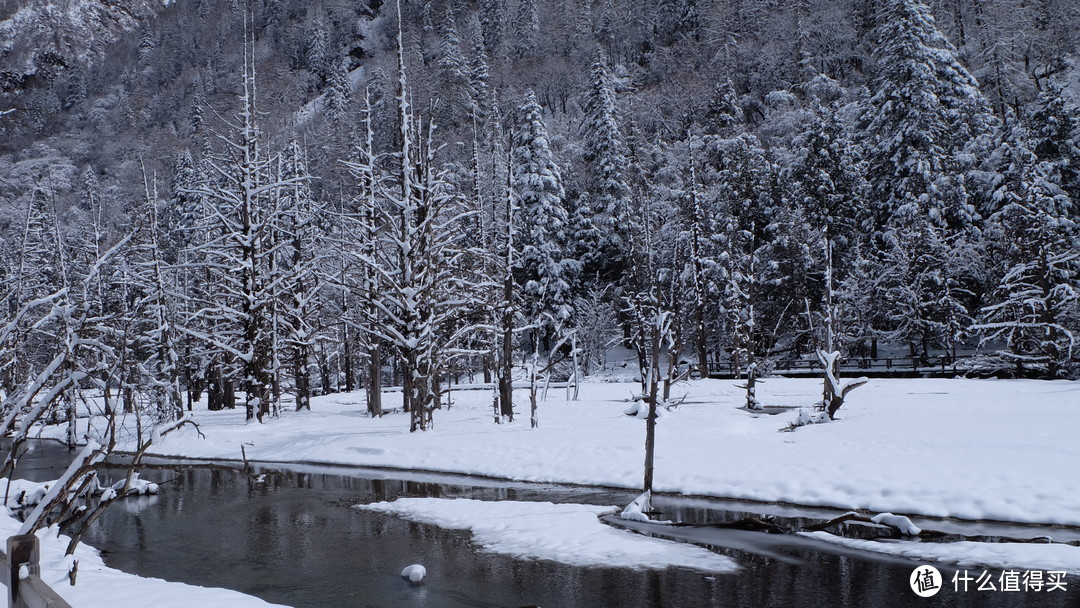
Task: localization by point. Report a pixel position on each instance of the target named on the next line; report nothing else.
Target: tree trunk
(302, 378)
(229, 393)
(751, 385)
(374, 382)
(650, 421)
(506, 369)
(350, 380)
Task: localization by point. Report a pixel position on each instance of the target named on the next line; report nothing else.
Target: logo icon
(925, 581)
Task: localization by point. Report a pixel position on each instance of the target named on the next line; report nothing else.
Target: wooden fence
(881, 366)
(29, 591)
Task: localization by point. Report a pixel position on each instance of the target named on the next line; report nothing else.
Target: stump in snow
(835, 390)
(637, 509)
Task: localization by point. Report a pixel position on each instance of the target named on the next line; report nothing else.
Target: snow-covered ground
(974, 449)
(567, 533)
(100, 586)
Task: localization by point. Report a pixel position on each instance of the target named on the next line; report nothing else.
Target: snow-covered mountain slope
(35, 32)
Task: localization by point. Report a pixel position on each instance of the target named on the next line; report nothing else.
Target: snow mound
(897, 521)
(139, 487)
(415, 573)
(567, 533)
(639, 409)
(24, 494)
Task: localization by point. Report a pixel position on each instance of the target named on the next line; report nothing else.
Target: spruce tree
(544, 269)
(1035, 307)
(601, 240)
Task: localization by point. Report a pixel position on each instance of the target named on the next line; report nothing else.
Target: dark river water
(293, 539)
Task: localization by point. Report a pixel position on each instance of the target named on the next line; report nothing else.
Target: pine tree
(317, 54)
(826, 186)
(741, 205)
(600, 236)
(492, 21)
(76, 89)
(722, 115)
(1056, 138)
(338, 93)
(543, 268)
(479, 74)
(1036, 303)
(526, 28)
(924, 110)
(923, 125)
(455, 99)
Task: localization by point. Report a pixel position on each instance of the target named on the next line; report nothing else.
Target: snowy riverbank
(974, 449)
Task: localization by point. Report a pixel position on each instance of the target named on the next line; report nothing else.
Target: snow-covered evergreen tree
(599, 231)
(742, 205)
(544, 269)
(1055, 127)
(454, 98)
(1036, 304)
(925, 109)
(526, 28)
(923, 125)
(338, 93)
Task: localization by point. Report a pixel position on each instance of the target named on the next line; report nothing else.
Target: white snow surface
(567, 533)
(1028, 556)
(975, 449)
(897, 521)
(98, 586)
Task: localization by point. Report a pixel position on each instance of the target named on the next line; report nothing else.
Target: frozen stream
(293, 539)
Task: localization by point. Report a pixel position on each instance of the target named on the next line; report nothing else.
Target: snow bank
(98, 586)
(567, 533)
(974, 449)
(966, 553)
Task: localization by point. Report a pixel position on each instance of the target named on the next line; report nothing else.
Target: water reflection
(291, 538)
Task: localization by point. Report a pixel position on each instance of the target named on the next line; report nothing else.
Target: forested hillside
(269, 198)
